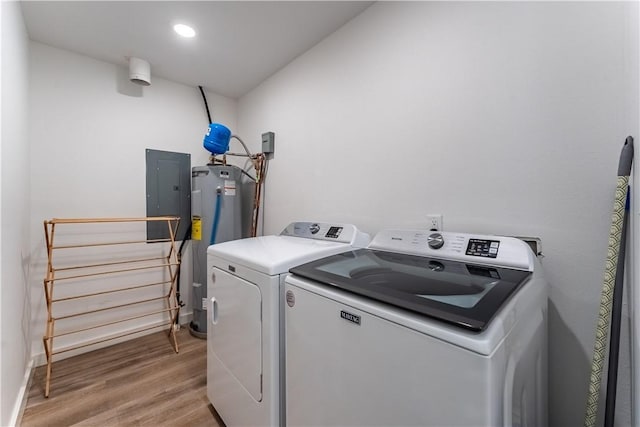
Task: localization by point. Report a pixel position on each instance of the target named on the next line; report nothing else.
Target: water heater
(216, 218)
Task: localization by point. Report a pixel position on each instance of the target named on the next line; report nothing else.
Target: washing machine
(418, 329)
(245, 290)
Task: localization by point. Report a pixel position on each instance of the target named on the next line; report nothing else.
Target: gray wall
(14, 213)
(91, 127)
(506, 118)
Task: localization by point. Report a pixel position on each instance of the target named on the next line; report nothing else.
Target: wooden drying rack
(170, 262)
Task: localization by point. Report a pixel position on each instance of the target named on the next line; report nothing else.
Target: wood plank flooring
(135, 383)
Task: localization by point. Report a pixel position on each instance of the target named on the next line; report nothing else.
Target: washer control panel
(483, 248)
(480, 249)
(313, 228)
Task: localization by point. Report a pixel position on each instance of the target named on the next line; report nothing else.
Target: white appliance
(245, 287)
(418, 329)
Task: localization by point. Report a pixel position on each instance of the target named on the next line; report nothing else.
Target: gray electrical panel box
(268, 140)
(168, 191)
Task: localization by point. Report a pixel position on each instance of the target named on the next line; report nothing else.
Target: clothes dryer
(420, 328)
(244, 335)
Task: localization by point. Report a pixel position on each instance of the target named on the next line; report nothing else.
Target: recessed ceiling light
(184, 30)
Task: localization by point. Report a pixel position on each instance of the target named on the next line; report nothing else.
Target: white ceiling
(238, 43)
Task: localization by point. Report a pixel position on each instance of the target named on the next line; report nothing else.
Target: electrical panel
(168, 191)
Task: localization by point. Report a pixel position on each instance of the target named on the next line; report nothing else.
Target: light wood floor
(139, 382)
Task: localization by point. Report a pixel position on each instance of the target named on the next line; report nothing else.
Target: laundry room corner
(499, 116)
(253, 210)
(88, 154)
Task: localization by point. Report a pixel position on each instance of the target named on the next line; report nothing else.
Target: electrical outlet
(434, 222)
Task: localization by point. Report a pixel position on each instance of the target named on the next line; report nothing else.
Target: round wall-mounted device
(139, 71)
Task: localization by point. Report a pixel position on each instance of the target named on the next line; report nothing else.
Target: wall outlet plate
(434, 222)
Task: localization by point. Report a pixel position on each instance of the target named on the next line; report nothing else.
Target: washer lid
(464, 294)
(273, 255)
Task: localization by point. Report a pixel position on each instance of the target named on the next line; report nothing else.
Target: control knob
(314, 228)
(435, 240)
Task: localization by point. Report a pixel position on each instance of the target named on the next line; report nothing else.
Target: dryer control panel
(480, 249)
(343, 233)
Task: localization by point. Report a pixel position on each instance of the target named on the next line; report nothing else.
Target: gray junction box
(268, 142)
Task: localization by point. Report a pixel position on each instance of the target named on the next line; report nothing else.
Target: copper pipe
(258, 164)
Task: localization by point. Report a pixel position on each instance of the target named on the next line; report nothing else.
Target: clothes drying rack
(92, 286)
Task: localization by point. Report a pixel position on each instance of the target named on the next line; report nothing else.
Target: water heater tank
(216, 218)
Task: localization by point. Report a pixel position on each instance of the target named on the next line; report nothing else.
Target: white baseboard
(185, 318)
(23, 395)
